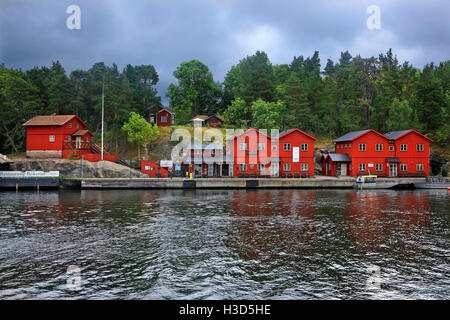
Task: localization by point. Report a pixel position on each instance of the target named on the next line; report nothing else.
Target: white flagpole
(103, 114)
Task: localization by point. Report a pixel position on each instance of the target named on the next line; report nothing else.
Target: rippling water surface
(226, 244)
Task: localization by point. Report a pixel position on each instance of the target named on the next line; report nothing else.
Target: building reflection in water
(267, 223)
(385, 218)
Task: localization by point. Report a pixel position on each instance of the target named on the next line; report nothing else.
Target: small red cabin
(213, 121)
(59, 136)
(164, 117)
(153, 170)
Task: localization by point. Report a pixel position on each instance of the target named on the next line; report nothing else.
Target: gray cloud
(217, 32)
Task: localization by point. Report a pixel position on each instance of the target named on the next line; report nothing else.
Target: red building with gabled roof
(370, 152)
(296, 153)
(59, 136)
(412, 149)
(163, 118)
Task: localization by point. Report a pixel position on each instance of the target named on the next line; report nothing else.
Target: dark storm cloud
(219, 33)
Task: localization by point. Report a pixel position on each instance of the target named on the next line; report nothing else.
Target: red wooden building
(370, 152)
(163, 118)
(153, 170)
(59, 136)
(213, 121)
(296, 153)
(411, 153)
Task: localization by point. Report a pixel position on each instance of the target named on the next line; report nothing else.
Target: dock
(226, 183)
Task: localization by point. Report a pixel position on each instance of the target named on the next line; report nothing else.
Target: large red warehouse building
(400, 153)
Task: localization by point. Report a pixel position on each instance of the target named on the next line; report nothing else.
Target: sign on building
(166, 163)
(296, 154)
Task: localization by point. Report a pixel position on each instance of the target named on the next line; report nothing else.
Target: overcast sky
(217, 32)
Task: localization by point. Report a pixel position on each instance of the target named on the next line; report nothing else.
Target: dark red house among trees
(60, 136)
(400, 153)
(163, 118)
(213, 121)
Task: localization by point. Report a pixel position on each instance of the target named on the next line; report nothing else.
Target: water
(225, 244)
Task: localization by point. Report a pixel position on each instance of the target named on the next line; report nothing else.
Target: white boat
(433, 183)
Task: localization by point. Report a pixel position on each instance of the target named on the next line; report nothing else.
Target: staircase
(95, 148)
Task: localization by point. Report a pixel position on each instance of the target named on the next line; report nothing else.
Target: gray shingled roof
(396, 134)
(351, 135)
(340, 157)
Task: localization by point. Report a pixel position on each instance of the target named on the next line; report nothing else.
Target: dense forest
(350, 94)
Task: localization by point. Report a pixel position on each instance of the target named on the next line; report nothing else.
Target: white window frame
(304, 147)
(70, 125)
(419, 167)
(403, 167)
(304, 167)
(362, 167)
(243, 167)
(391, 148)
(379, 145)
(243, 146)
(287, 147)
(261, 166)
(404, 147)
(286, 167)
(420, 147)
(362, 146)
(51, 138)
(378, 167)
(261, 146)
(164, 119)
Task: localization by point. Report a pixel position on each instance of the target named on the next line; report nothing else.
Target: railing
(412, 174)
(76, 145)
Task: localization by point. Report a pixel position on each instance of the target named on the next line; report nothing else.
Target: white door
(78, 142)
(343, 169)
(275, 167)
(393, 170)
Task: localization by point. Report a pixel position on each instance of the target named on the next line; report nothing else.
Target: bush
(73, 156)
(444, 171)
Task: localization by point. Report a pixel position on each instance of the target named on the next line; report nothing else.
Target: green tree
(236, 114)
(195, 89)
(18, 102)
(269, 115)
(401, 116)
(140, 131)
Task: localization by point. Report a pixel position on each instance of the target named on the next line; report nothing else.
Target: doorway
(393, 170)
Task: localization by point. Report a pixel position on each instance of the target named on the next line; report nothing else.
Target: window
(391, 148)
(163, 118)
(345, 145)
(287, 167)
(77, 126)
(69, 138)
(252, 166)
(304, 167)
(70, 125)
(419, 167)
(243, 167)
(274, 147)
(362, 147)
(379, 167)
(287, 147)
(420, 147)
(87, 139)
(403, 147)
(379, 147)
(261, 146)
(304, 147)
(52, 138)
(147, 168)
(362, 167)
(403, 167)
(260, 167)
(350, 145)
(243, 146)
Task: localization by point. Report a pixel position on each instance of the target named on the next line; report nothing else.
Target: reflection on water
(225, 244)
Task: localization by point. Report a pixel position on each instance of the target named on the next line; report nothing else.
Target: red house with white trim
(412, 149)
(164, 117)
(296, 153)
(59, 136)
(370, 152)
